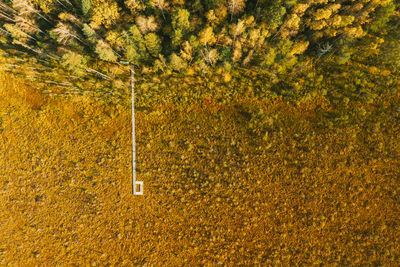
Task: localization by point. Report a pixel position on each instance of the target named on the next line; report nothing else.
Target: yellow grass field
(307, 190)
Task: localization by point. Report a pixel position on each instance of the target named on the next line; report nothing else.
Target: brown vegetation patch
(216, 191)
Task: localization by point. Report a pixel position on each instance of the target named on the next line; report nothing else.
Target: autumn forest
(267, 132)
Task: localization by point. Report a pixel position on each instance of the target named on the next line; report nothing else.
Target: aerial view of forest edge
(266, 132)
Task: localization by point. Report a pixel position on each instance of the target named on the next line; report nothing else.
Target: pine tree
(74, 62)
(86, 6)
(89, 33)
(383, 17)
(177, 63)
(17, 33)
(105, 52)
(275, 14)
(180, 20)
(153, 44)
(180, 25)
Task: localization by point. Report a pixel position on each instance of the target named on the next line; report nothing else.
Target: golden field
(249, 183)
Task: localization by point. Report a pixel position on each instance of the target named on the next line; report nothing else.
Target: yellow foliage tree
(207, 37)
(104, 13)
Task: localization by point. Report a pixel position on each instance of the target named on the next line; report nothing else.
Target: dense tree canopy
(174, 34)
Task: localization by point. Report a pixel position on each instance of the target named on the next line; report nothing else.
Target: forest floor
(243, 183)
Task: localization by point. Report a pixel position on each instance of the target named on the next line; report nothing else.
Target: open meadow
(245, 183)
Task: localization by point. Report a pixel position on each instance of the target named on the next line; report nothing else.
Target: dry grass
(216, 192)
